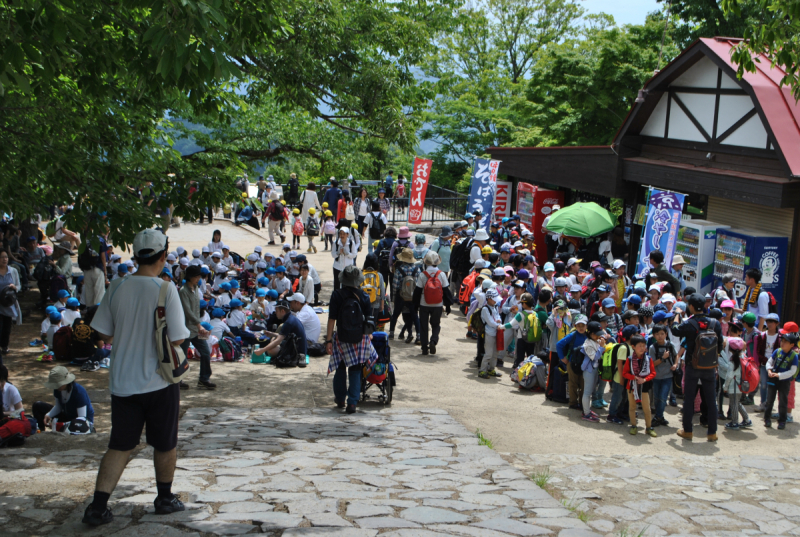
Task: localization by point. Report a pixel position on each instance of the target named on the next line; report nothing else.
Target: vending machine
(533, 206)
(740, 249)
(697, 240)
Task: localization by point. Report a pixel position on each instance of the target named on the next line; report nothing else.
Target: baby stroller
(381, 374)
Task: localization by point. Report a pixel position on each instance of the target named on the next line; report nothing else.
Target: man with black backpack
(375, 222)
(349, 346)
(275, 212)
(703, 346)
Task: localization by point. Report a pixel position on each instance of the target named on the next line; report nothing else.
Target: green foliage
(482, 440)
(771, 36)
(706, 18)
(541, 477)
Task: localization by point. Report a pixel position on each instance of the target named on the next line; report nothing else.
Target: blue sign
(482, 189)
(660, 231)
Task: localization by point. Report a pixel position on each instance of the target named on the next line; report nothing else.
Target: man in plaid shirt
(348, 356)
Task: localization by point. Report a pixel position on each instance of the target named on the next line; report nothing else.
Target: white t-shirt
(127, 312)
(761, 309)
(770, 342)
(362, 208)
(68, 317)
(313, 274)
(11, 397)
(218, 328)
(475, 253)
(236, 318)
(422, 279)
(310, 322)
(370, 216)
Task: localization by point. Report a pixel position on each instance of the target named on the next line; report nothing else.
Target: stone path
(298, 472)
(715, 496)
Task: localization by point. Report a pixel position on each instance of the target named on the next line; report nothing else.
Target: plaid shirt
(402, 270)
(351, 353)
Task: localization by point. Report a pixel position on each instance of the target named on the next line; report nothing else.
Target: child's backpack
(407, 286)
(57, 283)
(705, 345)
(62, 341)
(297, 227)
(531, 374)
(459, 258)
(371, 286)
(230, 349)
(330, 227)
(82, 346)
(533, 327)
(476, 323)
(434, 294)
(376, 227)
(467, 287)
(350, 325)
(750, 374)
(608, 364)
(312, 227)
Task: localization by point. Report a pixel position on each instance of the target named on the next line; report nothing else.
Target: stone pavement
(297, 472)
(715, 496)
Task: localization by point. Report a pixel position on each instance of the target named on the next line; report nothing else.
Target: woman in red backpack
(429, 296)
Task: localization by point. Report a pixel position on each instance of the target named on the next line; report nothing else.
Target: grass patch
(483, 440)
(624, 532)
(575, 507)
(542, 476)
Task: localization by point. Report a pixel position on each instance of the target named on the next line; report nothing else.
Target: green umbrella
(582, 220)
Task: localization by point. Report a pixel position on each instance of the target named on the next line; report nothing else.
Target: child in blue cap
(61, 299)
(69, 315)
(281, 283)
(56, 322)
(237, 323)
(122, 271)
(204, 316)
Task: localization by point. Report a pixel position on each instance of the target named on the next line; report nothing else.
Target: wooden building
(699, 130)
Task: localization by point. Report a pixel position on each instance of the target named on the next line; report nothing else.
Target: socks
(164, 489)
(100, 502)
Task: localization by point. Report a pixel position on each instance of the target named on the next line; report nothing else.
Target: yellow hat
(312, 211)
(328, 213)
(295, 211)
(375, 244)
(283, 202)
(486, 250)
(244, 194)
(354, 225)
(325, 205)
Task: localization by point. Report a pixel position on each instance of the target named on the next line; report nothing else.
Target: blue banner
(482, 189)
(660, 231)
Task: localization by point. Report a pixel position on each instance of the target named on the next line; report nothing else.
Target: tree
(707, 18)
(773, 36)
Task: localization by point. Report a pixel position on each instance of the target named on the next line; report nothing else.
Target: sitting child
(237, 323)
(213, 342)
(71, 313)
(72, 410)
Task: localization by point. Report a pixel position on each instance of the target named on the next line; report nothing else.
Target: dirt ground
(515, 420)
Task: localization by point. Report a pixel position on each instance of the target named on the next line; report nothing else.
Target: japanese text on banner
(482, 189)
(421, 172)
(660, 231)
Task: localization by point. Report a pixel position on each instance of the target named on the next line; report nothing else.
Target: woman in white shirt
(309, 199)
(344, 252)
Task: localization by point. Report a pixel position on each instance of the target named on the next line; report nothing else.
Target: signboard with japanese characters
(502, 199)
(660, 231)
(420, 173)
(482, 190)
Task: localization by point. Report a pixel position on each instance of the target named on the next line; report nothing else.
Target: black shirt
(690, 328)
(338, 297)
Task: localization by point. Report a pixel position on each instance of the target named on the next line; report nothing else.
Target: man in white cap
(139, 394)
(306, 315)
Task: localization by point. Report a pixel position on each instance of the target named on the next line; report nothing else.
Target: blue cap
(523, 274)
(204, 270)
(680, 306)
(609, 303)
(505, 219)
(280, 269)
(225, 286)
(50, 309)
(659, 316)
(270, 271)
(236, 303)
(634, 299)
(206, 326)
(263, 281)
(234, 284)
(639, 292)
(166, 272)
(770, 317)
(203, 304)
(217, 313)
(55, 317)
(63, 293)
(630, 331)
(261, 292)
(122, 268)
(272, 293)
(73, 303)
(301, 258)
(468, 216)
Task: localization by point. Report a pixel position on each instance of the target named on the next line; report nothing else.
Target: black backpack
(376, 226)
(8, 297)
(43, 271)
(293, 186)
(705, 345)
(459, 258)
(87, 260)
(289, 355)
(350, 325)
(383, 255)
(277, 212)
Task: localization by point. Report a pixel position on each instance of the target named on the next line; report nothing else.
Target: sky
(624, 11)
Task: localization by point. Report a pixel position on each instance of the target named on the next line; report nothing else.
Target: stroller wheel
(387, 385)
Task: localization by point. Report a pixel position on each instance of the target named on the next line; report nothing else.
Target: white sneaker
(761, 408)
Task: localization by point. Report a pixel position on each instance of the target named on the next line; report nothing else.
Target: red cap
(789, 328)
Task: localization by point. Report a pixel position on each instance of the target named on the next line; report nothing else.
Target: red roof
(779, 106)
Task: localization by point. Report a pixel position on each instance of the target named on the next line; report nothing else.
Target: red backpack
(297, 228)
(433, 288)
(62, 341)
(750, 374)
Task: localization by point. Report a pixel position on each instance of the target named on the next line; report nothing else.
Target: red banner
(420, 174)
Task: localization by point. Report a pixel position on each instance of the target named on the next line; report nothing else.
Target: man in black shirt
(689, 329)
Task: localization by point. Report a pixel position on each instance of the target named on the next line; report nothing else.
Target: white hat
(252, 257)
(261, 264)
(184, 262)
(195, 262)
(225, 247)
(526, 232)
(499, 272)
(345, 229)
(116, 257)
(268, 255)
(181, 250)
(195, 253)
(216, 253)
(556, 207)
(298, 297)
(287, 246)
(562, 282)
(293, 253)
(481, 235)
(221, 269)
(488, 284)
(668, 297)
(491, 293)
(572, 261)
(619, 263)
(206, 249)
(518, 244)
(129, 262)
(149, 242)
(479, 264)
(170, 258)
(549, 267)
(257, 249)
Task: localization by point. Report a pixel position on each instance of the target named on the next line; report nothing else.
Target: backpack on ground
(376, 227)
(277, 211)
(531, 374)
(407, 286)
(556, 390)
(750, 374)
(312, 227)
(230, 349)
(289, 355)
(297, 227)
(350, 325)
(62, 342)
(533, 328)
(476, 322)
(371, 286)
(459, 257)
(705, 345)
(434, 294)
(608, 363)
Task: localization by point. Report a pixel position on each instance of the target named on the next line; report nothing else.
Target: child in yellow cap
(312, 229)
(329, 229)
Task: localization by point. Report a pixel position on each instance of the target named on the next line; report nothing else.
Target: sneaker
(433, 348)
(781, 425)
(590, 417)
(673, 403)
(732, 426)
(424, 351)
(789, 418)
(165, 506)
(593, 413)
(652, 432)
(410, 338)
(711, 438)
(576, 406)
(634, 430)
(184, 386)
(614, 419)
(206, 384)
(500, 363)
(483, 374)
(768, 423)
(315, 249)
(391, 335)
(494, 373)
(761, 408)
(746, 423)
(91, 366)
(49, 358)
(417, 341)
(351, 409)
(340, 405)
(94, 518)
(597, 404)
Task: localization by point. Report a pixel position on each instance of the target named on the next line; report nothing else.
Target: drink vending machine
(741, 249)
(533, 206)
(697, 240)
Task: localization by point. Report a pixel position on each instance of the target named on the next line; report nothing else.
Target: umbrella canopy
(582, 220)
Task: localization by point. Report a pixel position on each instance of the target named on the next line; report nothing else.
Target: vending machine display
(739, 250)
(696, 242)
(533, 206)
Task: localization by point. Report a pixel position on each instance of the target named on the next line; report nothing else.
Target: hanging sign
(482, 189)
(420, 173)
(502, 199)
(660, 231)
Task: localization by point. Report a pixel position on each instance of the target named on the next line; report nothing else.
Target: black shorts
(159, 410)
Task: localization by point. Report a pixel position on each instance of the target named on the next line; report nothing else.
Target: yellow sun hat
(325, 205)
(295, 211)
(312, 211)
(486, 250)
